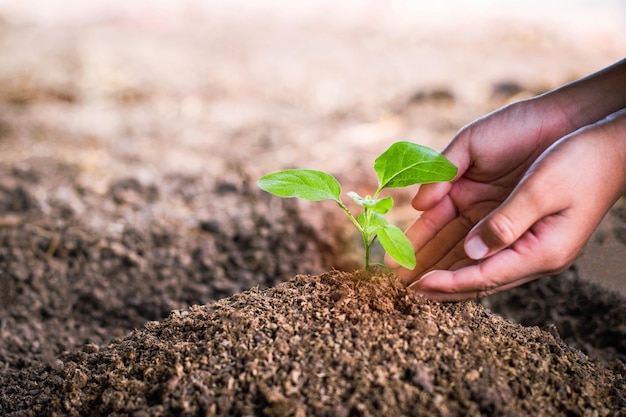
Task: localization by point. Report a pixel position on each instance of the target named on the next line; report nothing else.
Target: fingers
(541, 251)
(429, 195)
(527, 204)
(463, 284)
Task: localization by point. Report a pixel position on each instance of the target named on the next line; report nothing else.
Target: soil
(334, 345)
(143, 273)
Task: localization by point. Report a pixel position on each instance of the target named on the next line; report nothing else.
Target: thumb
(507, 223)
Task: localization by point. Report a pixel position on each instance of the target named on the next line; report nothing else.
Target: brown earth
(129, 146)
(334, 345)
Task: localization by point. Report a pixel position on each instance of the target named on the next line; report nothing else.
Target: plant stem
(367, 252)
(367, 242)
(366, 239)
(355, 221)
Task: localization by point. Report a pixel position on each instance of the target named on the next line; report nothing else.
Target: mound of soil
(337, 344)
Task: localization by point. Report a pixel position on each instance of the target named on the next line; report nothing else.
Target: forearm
(591, 98)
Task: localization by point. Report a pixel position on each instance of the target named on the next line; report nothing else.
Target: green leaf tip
(406, 163)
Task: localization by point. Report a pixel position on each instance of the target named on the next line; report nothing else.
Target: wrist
(590, 99)
(607, 140)
(617, 122)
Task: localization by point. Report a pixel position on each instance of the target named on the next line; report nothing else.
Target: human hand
(527, 198)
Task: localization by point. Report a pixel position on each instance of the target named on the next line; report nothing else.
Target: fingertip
(415, 285)
(429, 195)
(423, 287)
(405, 275)
(439, 285)
(391, 263)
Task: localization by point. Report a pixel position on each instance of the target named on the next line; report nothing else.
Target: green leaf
(380, 206)
(397, 245)
(406, 163)
(376, 222)
(307, 184)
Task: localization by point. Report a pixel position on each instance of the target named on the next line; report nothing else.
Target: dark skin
(535, 180)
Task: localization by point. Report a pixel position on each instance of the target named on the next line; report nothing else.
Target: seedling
(401, 165)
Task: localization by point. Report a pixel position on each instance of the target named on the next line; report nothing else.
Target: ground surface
(335, 345)
(130, 141)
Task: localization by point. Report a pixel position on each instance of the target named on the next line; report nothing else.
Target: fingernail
(414, 286)
(475, 248)
(415, 283)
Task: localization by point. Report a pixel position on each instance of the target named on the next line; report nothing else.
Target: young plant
(401, 165)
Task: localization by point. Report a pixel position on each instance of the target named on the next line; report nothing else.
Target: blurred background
(150, 88)
(153, 86)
